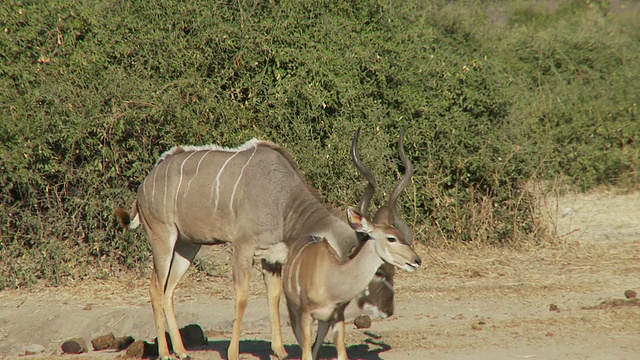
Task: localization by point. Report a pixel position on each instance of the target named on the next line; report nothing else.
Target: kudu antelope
(378, 299)
(318, 283)
(252, 197)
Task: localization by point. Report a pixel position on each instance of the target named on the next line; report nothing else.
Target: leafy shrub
(496, 96)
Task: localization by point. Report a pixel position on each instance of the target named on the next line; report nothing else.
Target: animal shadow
(262, 349)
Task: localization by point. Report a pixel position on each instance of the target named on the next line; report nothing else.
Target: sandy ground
(466, 303)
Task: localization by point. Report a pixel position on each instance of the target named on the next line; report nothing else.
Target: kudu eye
(391, 239)
(379, 273)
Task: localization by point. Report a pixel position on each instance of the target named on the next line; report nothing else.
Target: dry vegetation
(496, 95)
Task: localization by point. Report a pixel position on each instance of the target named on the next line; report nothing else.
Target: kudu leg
(242, 261)
(273, 282)
(162, 246)
(306, 322)
(339, 339)
(184, 254)
(156, 294)
(323, 328)
(294, 320)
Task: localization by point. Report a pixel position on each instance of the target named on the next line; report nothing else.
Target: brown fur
(200, 196)
(123, 216)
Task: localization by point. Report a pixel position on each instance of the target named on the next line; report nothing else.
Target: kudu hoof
(179, 357)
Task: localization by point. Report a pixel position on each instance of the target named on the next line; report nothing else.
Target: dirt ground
(465, 303)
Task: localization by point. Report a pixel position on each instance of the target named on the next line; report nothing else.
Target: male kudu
(378, 299)
(253, 196)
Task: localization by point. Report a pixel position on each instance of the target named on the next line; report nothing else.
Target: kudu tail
(128, 220)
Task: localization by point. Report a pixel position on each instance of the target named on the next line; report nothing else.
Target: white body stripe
(153, 192)
(218, 179)
(298, 287)
(186, 191)
(297, 272)
(166, 173)
(253, 143)
(175, 198)
(144, 188)
(233, 193)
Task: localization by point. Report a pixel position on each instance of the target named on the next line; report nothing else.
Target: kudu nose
(418, 261)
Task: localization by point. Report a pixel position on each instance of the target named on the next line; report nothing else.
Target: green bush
(496, 96)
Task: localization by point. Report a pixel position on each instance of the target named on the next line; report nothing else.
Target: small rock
(33, 349)
(193, 335)
(141, 349)
(122, 343)
(630, 294)
(136, 350)
(103, 342)
(554, 307)
(87, 307)
(362, 322)
(74, 346)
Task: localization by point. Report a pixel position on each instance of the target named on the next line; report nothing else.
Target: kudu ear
(359, 222)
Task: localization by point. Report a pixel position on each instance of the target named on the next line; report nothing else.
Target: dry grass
(470, 271)
(523, 282)
(449, 272)
(546, 328)
(127, 288)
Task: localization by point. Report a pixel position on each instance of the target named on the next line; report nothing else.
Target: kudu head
(379, 294)
(387, 241)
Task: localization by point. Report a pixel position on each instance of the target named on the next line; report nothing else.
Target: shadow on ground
(262, 349)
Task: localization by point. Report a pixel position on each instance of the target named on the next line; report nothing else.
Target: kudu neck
(347, 280)
(308, 215)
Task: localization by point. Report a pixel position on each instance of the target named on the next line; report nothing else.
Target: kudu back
(251, 197)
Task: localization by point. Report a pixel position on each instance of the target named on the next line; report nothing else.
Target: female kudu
(318, 284)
